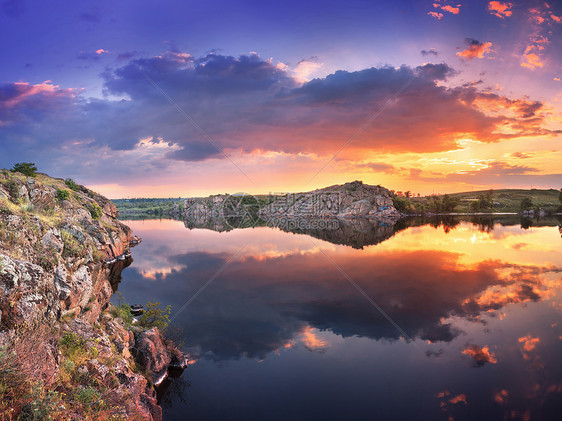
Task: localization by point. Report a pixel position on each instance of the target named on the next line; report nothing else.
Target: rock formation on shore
(62, 251)
(348, 200)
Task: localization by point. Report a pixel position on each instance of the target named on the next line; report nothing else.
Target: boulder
(151, 353)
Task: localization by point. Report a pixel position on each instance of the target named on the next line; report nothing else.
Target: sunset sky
(156, 99)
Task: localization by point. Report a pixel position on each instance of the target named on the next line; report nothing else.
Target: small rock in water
(137, 309)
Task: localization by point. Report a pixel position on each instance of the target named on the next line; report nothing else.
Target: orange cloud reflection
(481, 356)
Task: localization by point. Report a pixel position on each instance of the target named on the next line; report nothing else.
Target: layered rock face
(53, 252)
(62, 251)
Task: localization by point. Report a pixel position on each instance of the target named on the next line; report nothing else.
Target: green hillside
(503, 200)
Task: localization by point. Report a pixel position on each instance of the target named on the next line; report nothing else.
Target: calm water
(289, 326)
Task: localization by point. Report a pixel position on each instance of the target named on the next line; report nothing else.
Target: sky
(168, 99)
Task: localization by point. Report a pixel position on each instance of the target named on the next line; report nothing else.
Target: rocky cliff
(353, 214)
(350, 200)
(62, 250)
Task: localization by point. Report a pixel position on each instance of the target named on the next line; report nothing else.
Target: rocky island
(65, 351)
(348, 200)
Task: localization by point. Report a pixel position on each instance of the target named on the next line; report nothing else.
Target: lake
(458, 320)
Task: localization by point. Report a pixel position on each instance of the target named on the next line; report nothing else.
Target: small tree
(526, 203)
(156, 316)
(449, 203)
(26, 168)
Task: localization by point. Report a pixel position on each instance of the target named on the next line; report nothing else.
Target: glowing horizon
(437, 98)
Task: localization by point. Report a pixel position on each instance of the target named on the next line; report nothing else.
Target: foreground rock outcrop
(62, 251)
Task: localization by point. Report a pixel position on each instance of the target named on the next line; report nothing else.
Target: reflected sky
(281, 332)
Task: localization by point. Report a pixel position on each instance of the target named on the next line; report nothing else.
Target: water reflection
(475, 297)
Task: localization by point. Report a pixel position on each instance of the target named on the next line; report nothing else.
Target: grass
(124, 312)
(72, 247)
(503, 200)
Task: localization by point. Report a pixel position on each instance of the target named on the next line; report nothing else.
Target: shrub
(27, 207)
(155, 316)
(13, 189)
(95, 210)
(73, 347)
(526, 203)
(72, 247)
(43, 405)
(89, 397)
(402, 204)
(26, 168)
(47, 260)
(123, 311)
(63, 194)
(71, 184)
(449, 203)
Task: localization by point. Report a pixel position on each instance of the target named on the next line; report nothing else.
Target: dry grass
(25, 364)
(33, 388)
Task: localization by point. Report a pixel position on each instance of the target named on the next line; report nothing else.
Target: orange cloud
(448, 8)
(458, 399)
(443, 394)
(555, 18)
(536, 16)
(500, 9)
(475, 49)
(101, 51)
(451, 9)
(436, 15)
(311, 341)
(481, 356)
(529, 343)
(530, 59)
(501, 396)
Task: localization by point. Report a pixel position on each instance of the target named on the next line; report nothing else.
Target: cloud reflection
(259, 304)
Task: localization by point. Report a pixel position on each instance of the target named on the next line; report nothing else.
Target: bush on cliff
(155, 316)
(95, 210)
(71, 184)
(26, 168)
(63, 194)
